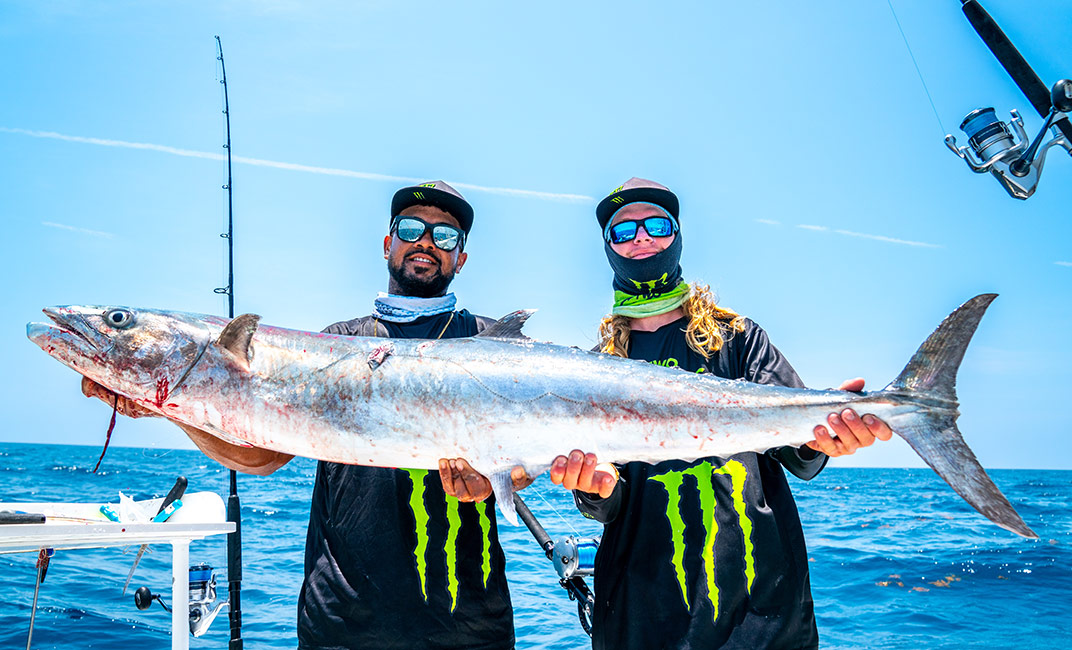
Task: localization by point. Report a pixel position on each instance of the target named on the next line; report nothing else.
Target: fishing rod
(234, 508)
(993, 147)
(572, 557)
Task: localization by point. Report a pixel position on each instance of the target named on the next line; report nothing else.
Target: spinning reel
(1007, 153)
(203, 605)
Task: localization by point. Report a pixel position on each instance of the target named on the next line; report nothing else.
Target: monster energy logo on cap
(633, 190)
(437, 194)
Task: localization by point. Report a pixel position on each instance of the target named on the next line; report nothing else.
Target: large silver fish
(498, 399)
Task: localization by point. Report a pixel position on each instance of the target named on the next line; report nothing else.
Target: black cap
(633, 190)
(437, 194)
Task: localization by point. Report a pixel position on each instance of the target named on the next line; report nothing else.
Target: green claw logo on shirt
(450, 545)
(674, 482)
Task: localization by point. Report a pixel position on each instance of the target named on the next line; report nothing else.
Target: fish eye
(119, 318)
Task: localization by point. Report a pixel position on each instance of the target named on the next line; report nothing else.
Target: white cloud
(1063, 263)
(810, 227)
(769, 222)
(327, 171)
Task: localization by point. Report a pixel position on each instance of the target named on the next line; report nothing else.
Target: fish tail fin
(930, 377)
(503, 487)
(933, 368)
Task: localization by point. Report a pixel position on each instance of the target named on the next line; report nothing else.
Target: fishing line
(539, 493)
(916, 64)
(145, 452)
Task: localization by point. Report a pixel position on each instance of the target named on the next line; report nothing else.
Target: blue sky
(817, 195)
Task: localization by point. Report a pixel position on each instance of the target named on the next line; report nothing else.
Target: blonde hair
(710, 326)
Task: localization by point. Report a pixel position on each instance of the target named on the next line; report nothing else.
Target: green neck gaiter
(640, 307)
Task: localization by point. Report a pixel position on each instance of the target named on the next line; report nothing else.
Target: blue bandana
(405, 309)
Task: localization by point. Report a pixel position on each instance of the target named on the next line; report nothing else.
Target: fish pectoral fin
(508, 327)
(237, 337)
(503, 487)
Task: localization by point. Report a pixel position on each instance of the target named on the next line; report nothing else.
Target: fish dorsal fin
(236, 338)
(508, 327)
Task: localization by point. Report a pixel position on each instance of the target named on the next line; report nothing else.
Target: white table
(64, 535)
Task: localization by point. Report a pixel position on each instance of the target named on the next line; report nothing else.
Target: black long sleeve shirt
(391, 562)
(709, 553)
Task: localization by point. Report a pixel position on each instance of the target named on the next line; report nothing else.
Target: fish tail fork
(930, 379)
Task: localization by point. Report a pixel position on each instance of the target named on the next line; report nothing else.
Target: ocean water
(897, 559)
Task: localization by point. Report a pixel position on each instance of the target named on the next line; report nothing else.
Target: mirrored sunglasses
(444, 236)
(624, 231)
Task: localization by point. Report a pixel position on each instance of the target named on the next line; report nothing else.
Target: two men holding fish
(707, 553)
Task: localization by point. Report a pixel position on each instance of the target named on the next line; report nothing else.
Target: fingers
(122, 405)
(584, 477)
(605, 479)
(558, 469)
(574, 465)
(565, 471)
(478, 487)
(130, 408)
(463, 482)
(581, 471)
(827, 444)
(852, 432)
(852, 385)
(446, 477)
(520, 478)
(877, 427)
(91, 388)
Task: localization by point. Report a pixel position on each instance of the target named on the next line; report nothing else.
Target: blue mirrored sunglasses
(444, 236)
(624, 231)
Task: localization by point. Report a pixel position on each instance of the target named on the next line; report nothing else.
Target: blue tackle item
(166, 513)
(109, 512)
(573, 556)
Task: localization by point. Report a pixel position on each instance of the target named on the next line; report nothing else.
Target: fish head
(143, 354)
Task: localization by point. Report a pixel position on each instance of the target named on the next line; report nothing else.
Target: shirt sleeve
(764, 364)
(596, 507)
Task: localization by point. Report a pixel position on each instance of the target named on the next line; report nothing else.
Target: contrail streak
(87, 231)
(890, 240)
(326, 171)
(882, 238)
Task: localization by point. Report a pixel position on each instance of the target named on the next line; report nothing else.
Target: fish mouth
(67, 325)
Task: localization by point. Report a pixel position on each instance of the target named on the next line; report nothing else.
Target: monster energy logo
(648, 286)
(422, 553)
(674, 482)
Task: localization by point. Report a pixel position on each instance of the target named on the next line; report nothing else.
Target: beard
(430, 286)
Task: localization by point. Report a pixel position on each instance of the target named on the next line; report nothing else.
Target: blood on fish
(161, 392)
